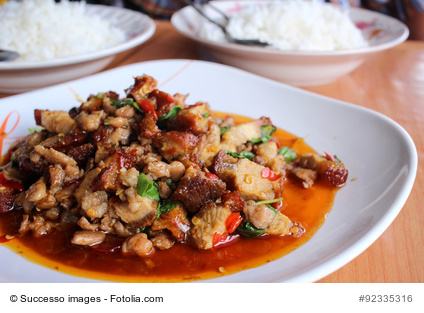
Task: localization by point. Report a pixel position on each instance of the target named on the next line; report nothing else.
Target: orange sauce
(307, 207)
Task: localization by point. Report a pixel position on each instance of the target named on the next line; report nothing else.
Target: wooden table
(391, 83)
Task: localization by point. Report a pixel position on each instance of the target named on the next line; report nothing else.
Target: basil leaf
(171, 114)
(248, 230)
(267, 131)
(224, 129)
(147, 188)
(247, 155)
(243, 154)
(167, 207)
(289, 154)
(121, 103)
(144, 229)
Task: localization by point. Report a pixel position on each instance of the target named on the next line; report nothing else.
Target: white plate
(299, 68)
(24, 76)
(380, 156)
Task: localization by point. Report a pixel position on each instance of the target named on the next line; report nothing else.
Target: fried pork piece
(259, 215)
(195, 119)
(242, 133)
(175, 221)
(329, 167)
(54, 121)
(243, 176)
(136, 211)
(138, 244)
(281, 225)
(210, 220)
(88, 238)
(175, 143)
(195, 189)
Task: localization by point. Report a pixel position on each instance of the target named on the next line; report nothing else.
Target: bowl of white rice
(58, 42)
(309, 42)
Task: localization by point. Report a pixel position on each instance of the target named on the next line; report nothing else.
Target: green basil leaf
(147, 188)
(247, 155)
(121, 103)
(224, 129)
(171, 114)
(267, 131)
(248, 230)
(289, 154)
(243, 154)
(167, 207)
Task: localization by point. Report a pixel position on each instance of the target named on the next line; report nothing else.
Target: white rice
(43, 30)
(292, 25)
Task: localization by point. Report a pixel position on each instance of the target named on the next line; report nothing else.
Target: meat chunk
(162, 240)
(267, 151)
(195, 119)
(139, 245)
(109, 178)
(7, 201)
(329, 167)
(137, 211)
(54, 121)
(210, 220)
(174, 221)
(243, 176)
(86, 184)
(88, 238)
(174, 143)
(242, 133)
(195, 189)
(259, 215)
(89, 122)
(142, 86)
(306, 175)
(53, 156)
(280, 225)
(95, 204)
(37, 191)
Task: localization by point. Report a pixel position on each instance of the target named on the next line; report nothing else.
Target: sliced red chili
(10, 183)
(211, 176)
(170, 98)
(224, 240)
(148, 107)
(233, 221)
(329, 157)
(270, 175)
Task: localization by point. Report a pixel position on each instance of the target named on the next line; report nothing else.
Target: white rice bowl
(45, 30)
(292, 25)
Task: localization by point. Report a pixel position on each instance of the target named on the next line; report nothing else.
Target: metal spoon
(248, 42)
(8, 55)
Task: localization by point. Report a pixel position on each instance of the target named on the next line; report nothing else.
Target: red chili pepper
(10, 183)
(211, 176)
(148, 107)
(170, 98)
(329, 157)
(233, 221)
(224, 240)
(270, 175)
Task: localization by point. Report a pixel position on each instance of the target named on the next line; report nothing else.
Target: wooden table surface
(391, 83)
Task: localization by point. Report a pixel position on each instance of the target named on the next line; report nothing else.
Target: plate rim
(352, 251)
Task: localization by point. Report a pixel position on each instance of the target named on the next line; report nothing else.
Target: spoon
(248, 42)
(8, 55)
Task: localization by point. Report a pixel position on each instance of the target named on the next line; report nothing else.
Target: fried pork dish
(153, 171)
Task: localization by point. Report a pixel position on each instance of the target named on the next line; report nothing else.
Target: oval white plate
(30, 75)
(380, 156)
(300, 68)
